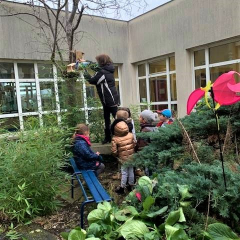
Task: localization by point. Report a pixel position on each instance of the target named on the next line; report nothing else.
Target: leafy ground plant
(109, 222)
(31, 175)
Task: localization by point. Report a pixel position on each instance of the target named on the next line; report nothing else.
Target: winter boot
(107, 138)
(129, 187)
(119, 190)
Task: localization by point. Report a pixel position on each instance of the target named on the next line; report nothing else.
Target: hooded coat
(123, 143)
(83, 155)
(105, 83)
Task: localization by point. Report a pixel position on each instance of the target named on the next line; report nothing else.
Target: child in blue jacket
(83, 155)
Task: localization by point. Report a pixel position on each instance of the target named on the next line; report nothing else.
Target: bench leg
(82, 213)
(72, 188)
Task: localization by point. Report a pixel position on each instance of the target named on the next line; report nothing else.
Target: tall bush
(31, 175)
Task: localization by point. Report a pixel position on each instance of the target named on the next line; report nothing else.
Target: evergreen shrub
(31, 175)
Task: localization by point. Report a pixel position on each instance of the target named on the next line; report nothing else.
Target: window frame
(168, 73)
(40, 112)
(207, 66)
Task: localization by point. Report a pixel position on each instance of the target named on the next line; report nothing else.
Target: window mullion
(207, 65)
(84, 98)
(168, 83)
(19, 102)
(39, 101)
(56, 93)
(147, 83)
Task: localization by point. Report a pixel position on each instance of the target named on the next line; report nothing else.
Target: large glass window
(8, 98)
(157, 84)
(158, 89)
(26, 71)
(157, 67)
(219, 59)
(143, 90)
(173, 87)
(38, 98)
(6, 70)
(199, 58)
(224, 52)
(48, 96)
(9, 124)
(141, 70)
(28, 96)
(45, 70)
(200, 78)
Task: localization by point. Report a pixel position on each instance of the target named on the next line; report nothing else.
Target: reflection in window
(200, 78)
(48, 96)
(9, 124)
(116, 72)
(45, 70)
(141, 70)
(92, 96)
(143, 90)
(8, 98)
(173, 87)
(172, 63)
(199, 58)
(158, 89)
(28, 96)
(75, 92)
(224, 52)
(6, 71)
(215, 72)
(157, 67)
(158, 107)
(174, 110)
(26, 71)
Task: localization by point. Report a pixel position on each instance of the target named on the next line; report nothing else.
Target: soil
(68, 217)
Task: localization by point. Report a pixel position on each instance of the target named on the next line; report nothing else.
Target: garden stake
(219, 140)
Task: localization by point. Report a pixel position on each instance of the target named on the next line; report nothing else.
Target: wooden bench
(97, 191)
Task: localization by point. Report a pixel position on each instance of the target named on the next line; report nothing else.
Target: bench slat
(97, 197)
(74, 166)
(99, 187)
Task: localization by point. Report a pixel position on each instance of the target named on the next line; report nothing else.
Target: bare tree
(59, 20)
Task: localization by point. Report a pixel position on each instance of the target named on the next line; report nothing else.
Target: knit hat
(148, 116)
(166, 113)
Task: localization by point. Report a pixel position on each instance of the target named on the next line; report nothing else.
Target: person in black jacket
(105, 84)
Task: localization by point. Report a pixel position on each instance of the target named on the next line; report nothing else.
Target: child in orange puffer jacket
(123, 145)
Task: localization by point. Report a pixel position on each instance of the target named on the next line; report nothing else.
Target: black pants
(107, 111)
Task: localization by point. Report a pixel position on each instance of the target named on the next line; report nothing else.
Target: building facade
(160, 57)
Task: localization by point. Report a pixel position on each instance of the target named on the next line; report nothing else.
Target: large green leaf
(169, 230)
(183, 190)
(95, 230)
(173, 217)
(145, 181)
(182, 217)
(149, 201)
(92, 238)
(100, 213)
(180, 234)
(105, 206)
(124, 214)
(95, 215)
(159, 212)
(219, 231)
(133, 228)
(76, 234)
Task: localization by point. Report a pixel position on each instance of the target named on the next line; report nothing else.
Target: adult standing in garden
(107, 92)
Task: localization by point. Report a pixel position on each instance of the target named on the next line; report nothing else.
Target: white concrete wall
(178, 26)
(175, 27)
